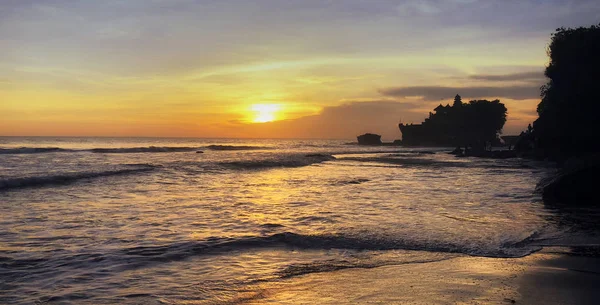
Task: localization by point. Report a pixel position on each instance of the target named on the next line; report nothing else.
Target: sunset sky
(278, 69)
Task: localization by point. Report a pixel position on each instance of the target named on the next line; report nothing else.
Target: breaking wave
(418, 161)
(143, 255)
(31, 150)
(36, 181)
(235, 147)
(283, 161)
(335, 265)
(150, 149)
(156, 149)
(406, 161)
(125, 150)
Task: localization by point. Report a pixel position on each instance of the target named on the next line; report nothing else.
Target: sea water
(200, 221)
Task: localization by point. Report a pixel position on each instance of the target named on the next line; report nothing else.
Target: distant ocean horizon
(130, 220)
(167, 137)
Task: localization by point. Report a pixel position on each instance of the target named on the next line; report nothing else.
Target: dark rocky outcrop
(491, 154)
(575, 184)
(496, 154)
(568, 123)
(510, 140)
(476, 124)
(566, 130)
(369, 139)
(457, 152)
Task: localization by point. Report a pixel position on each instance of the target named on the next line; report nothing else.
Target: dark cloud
(523, 76)
(431, 93)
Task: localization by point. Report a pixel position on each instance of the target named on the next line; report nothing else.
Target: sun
(264, 112)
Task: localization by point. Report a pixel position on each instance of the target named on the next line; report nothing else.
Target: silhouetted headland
(474, 126)
(567, 130)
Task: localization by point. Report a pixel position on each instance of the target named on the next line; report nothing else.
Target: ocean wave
(351, 181)
(389, 152)
(272, 226)
(31, 150)
(335, 265)
(36, 181)
(235, 147)
(149, 149)
(326, 242)
(125, 150)
(407, 161)
(418, 161)
(282, 161)
(118, 150)
(143, 255)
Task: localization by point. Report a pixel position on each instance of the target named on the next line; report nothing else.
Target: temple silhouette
(475, 125)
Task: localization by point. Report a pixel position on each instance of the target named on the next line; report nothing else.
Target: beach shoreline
(551, 276)
(559, 278)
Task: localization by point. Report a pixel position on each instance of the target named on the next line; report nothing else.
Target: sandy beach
(551, 276)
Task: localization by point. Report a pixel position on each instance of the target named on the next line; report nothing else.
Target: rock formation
(369, 139)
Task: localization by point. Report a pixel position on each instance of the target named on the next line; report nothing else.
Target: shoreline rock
(490, 154)
(369, 139)
(574, 185)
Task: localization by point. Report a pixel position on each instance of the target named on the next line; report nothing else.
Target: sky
(268, 68)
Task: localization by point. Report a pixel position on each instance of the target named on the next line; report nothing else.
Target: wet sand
(562, 279)
(546, 277)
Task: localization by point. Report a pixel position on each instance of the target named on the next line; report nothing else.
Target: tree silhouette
(474, 125)
(568, 123)
(484, 121)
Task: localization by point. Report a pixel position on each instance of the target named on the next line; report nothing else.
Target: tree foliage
(473, 124)
(568, 122)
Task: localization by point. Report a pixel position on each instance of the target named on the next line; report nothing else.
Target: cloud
(522, 76)
(431, 93)
(344, 121)
(350, 119)
(419, 7)
(430, 7)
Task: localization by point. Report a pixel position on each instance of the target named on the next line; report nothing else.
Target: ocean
(203, 221)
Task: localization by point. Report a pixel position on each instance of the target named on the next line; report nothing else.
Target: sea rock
(494, 154)
(576, 184)
(502, 154)
(457, 152)
(490, 154)
(369, 139)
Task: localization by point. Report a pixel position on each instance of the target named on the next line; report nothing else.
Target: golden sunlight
(264, 112)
